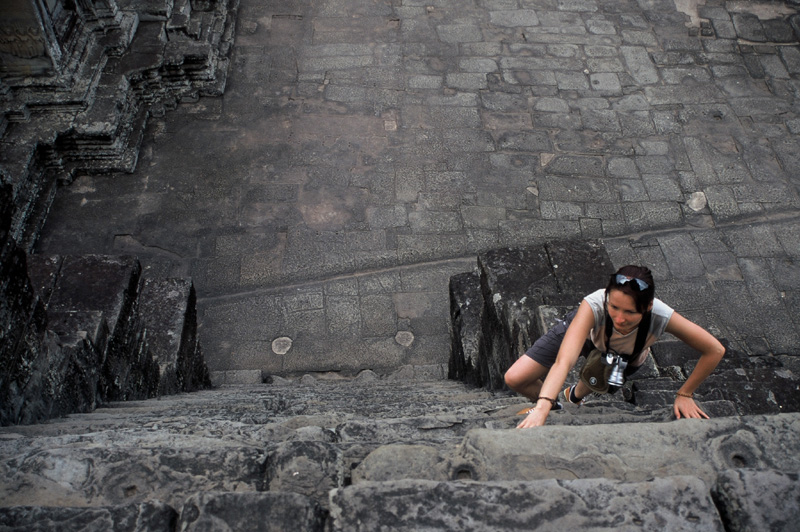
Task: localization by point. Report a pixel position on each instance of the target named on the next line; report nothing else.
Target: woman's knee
(512, 378)
(521, 373)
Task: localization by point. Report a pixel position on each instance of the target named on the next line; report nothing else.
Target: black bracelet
(552, 401)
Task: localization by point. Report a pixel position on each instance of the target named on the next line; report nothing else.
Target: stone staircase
(407, 450)
(404, 451)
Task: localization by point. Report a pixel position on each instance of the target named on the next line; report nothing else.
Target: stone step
(740, 500)
(221, 454)
(676, 503)
(370, 412)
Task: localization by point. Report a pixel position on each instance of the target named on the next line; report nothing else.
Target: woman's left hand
(685, 407)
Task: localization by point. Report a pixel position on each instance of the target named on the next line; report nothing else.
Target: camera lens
(615, 378)
(617, 375)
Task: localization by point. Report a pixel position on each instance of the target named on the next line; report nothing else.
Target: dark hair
(641, 297)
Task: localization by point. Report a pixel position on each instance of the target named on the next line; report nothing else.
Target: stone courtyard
(364, 152)
(319, 189)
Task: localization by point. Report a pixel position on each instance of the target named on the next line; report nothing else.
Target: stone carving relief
(24, 42)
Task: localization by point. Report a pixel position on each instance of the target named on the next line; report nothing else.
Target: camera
(618, 365)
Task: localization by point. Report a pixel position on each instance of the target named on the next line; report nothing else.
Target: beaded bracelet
(689, 395)
(552, 401)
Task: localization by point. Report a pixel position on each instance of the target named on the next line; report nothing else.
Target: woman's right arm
(568, 353)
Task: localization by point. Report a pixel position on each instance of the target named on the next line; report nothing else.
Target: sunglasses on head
(624, 279)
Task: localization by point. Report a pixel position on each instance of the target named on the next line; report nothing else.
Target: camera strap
(641, 335)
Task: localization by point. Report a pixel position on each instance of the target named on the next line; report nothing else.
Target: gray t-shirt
(625, 343)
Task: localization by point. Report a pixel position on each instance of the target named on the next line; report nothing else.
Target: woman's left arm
(711, 352)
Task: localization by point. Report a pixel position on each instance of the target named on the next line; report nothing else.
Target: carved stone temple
(78, 81)
(487, 164)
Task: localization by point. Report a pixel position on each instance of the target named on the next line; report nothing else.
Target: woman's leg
(581, 390)
(525, 377)
(576, 392)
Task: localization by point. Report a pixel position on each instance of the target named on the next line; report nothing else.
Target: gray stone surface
(749, 499)
(169, 315)
(399, 461)
(100, 333)
(408, 439)
(164, 468)
(466, 310)
(144, 517)
(630, 455)
(348, 155)
(110, 287)
(361, 155)
(670, 503)
(259, 512)
(309, 467)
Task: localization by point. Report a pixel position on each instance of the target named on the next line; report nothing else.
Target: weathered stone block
(259, 512)
(97, 283)
(43, 273)
(579, 268)
(22, 326)
(169, 315)
(748, 27)
(96, 347)
(601, 504)
(756, 391)
(398, 461)
(130, 469)
(53, 376)
(636, 452)
(306, 467)
(142, 517)
(89, 325)
(778, 30)
(110, 285)
(514, 283)
(758, 500)
(68, 376)
(466, 305)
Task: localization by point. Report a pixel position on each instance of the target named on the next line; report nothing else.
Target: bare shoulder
(584, 319)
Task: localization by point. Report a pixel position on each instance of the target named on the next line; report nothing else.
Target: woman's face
(622, 311)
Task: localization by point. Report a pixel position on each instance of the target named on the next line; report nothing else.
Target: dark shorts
(545, 349)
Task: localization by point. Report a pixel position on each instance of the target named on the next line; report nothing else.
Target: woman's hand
(535, 418)
(568, 353)
(685, 407)
(711, 352)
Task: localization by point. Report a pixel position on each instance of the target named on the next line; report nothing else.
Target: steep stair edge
(103, 331)
(316, 435)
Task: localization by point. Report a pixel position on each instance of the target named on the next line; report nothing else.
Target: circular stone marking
(404, 338)
(281, 346)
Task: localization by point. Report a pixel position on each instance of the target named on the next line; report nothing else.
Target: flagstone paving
(364, 152)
